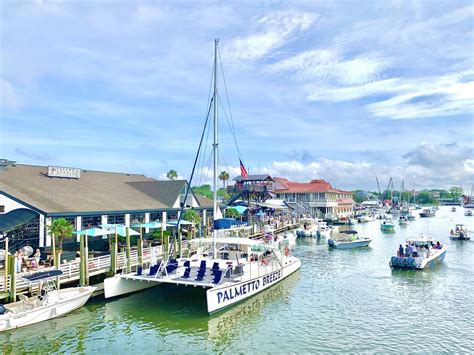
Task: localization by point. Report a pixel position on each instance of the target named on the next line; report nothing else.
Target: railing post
(86, 260)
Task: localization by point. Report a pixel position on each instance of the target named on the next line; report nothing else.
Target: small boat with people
(289, 238)
(419, 253)
(459, 233)
(427, 212)
(387, 225)
(49, 303)
(403, 221)
(348, 239)
(468, 212)
(453, 209)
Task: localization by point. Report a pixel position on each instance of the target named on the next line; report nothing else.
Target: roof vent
(4, 163)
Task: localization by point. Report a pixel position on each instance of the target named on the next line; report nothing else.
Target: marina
(236, 177)
(320, 296)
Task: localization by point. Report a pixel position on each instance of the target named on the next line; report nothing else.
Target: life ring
(287, 251)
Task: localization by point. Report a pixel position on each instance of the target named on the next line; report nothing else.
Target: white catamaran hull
(53, 309)
(121, 285)
(226, 295)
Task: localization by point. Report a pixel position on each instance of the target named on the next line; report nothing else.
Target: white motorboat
(50, 303)
(232, 269)
(423, 253)
(348, 240)
(403, 221)
(459, 233)
(468, 212)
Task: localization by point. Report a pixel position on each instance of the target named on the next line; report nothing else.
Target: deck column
(147, 220)
(204, 224)
(127, 219)
(140, 249)
(6, 265)
(78, 226)
(113, 254)
(49, 221)
(41, 231)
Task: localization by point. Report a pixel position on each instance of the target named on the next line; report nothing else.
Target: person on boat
(400, 251)
(438, 245)
(452, 232)
(414, 250)
(407, 250)
(427, 248)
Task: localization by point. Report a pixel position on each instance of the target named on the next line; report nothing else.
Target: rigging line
(188, 185)
(203, 156)
(228, 102)
(232, 132)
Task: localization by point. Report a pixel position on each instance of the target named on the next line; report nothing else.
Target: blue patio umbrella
(93, 232)
(120, 229)
(239, 209)
(149, 225)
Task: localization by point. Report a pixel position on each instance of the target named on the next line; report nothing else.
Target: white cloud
(273, 31)
(9, 99)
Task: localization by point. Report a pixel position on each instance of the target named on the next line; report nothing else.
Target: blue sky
(345, 90)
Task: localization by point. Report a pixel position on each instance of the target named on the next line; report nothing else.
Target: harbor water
(340, 301)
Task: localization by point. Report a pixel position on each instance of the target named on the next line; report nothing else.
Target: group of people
(22, 262)
(413, 250)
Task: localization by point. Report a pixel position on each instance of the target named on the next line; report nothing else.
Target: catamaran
(232, 269)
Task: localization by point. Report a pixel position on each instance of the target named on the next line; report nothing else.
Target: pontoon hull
(221, 297)
(120, 285)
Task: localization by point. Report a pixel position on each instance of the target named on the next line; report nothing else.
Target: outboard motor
(3, 310)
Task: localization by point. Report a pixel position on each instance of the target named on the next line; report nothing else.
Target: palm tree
(61, 228)
(172, 175)
(224, 176)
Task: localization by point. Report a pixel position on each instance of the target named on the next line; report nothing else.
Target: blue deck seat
(186, 273)
(153, 270)
(187, 263)
(170, 268)
(139, 271)
(217, 276)
(200, 274)
(203, 264)
(215, 267)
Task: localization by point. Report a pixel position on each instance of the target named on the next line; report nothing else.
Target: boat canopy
(39, 276)
(226, 223)
(228, 240)
(420, 239)
(348, 232)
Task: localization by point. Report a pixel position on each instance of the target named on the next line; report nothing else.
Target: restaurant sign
(63, 172)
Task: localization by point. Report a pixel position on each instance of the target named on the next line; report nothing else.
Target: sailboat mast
(215, 145)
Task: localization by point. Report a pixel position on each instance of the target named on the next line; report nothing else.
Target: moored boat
(421, 253)
(387, 225)
(348, 240)
(48, 304)
(403, 221)
(453, 209)
(459, 233)
(427, 212)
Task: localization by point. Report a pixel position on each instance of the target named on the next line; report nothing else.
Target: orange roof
(317, 185)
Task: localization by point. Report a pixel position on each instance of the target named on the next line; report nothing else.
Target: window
(2, 209)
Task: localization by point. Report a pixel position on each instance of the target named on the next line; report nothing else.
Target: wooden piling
(140, 249)
(6, 266)
(127, 250)
(82, 264)
(12, 260)
(113, 255)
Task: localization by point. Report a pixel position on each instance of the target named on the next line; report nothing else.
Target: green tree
(61, 228)
(232, 213)
(456, 192)
(224, 176)
(192, 215)
(172, 175)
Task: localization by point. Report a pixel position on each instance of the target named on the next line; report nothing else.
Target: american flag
(243, 171)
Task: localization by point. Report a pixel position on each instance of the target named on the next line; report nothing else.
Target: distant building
(31, 197)
(316, 197)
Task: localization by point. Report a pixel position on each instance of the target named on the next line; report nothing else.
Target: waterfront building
(31, 197)
(316, 197)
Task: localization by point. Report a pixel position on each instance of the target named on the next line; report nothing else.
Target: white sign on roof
(64, 172)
